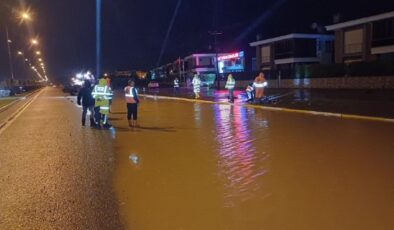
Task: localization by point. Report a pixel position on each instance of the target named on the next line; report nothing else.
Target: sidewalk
(366, 102)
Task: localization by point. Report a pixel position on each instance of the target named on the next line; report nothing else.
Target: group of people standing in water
(97, 99)
(255, 90)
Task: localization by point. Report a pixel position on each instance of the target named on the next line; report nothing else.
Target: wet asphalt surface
(55, 174)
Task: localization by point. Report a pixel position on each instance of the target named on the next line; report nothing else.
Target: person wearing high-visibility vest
(102, 94)
(259, 84)
(196, 86)
(131, 95)
(230, 85)
(176, 85)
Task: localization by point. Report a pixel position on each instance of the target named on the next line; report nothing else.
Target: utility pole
(9, 53)
(215, 34)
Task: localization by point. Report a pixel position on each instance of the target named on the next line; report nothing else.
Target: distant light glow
(80, 78)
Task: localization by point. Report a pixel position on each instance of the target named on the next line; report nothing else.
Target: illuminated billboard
(232, 63)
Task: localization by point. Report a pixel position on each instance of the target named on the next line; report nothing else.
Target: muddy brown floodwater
(217, 166)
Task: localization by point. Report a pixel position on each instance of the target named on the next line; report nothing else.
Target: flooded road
(217, 166)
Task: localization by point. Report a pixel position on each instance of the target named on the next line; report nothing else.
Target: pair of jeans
(85, 110)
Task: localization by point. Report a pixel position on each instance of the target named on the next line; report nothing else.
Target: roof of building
(360, 21)
(201, 55)
(291, 36)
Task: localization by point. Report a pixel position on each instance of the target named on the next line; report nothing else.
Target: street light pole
(215, 34)
(9, 53)
(98, 38)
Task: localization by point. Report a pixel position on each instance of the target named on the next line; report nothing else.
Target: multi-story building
(284, 55)
(364, 39)
(202, 64)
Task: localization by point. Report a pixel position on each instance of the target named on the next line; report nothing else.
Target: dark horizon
(133, 33)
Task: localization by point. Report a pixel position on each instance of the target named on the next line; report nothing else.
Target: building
(205, 65)
(364, 39)
(285, 56)
(202, 64)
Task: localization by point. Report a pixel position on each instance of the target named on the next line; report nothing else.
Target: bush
(356, 69)
(374, 68)
(326, 71)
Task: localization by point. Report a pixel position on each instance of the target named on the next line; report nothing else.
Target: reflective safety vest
(230, 84)
(176, 83)
(129, 94)
(104, 108)
(259, 83)
(196, 84)
(102, 95)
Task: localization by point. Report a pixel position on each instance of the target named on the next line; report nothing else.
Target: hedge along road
(218, 166)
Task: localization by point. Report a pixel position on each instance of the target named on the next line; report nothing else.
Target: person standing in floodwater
(131, 95)
(176, 85)
(196, 86)
(259, 87)
(230, 85)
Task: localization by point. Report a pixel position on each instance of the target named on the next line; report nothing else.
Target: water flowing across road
(218, 166)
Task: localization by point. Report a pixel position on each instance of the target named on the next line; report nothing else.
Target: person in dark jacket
(85, 95)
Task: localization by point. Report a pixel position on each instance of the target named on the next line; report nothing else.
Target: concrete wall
(386, 82)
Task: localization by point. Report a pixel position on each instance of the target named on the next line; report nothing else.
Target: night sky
(134, 30)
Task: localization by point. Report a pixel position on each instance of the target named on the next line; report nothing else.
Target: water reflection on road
(239, 163)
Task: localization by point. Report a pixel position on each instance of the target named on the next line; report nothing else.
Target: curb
(280, 109)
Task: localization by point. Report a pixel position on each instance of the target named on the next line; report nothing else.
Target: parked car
(153, 84)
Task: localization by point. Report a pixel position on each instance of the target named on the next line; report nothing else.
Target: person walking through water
(132, 101)
(85, 99)
(196, 86)
(259, 84)
(230, 85)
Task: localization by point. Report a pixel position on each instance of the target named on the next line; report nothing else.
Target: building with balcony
(364, 39)
(284, 56)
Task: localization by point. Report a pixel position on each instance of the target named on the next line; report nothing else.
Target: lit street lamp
(34, 41)
(25, 16)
